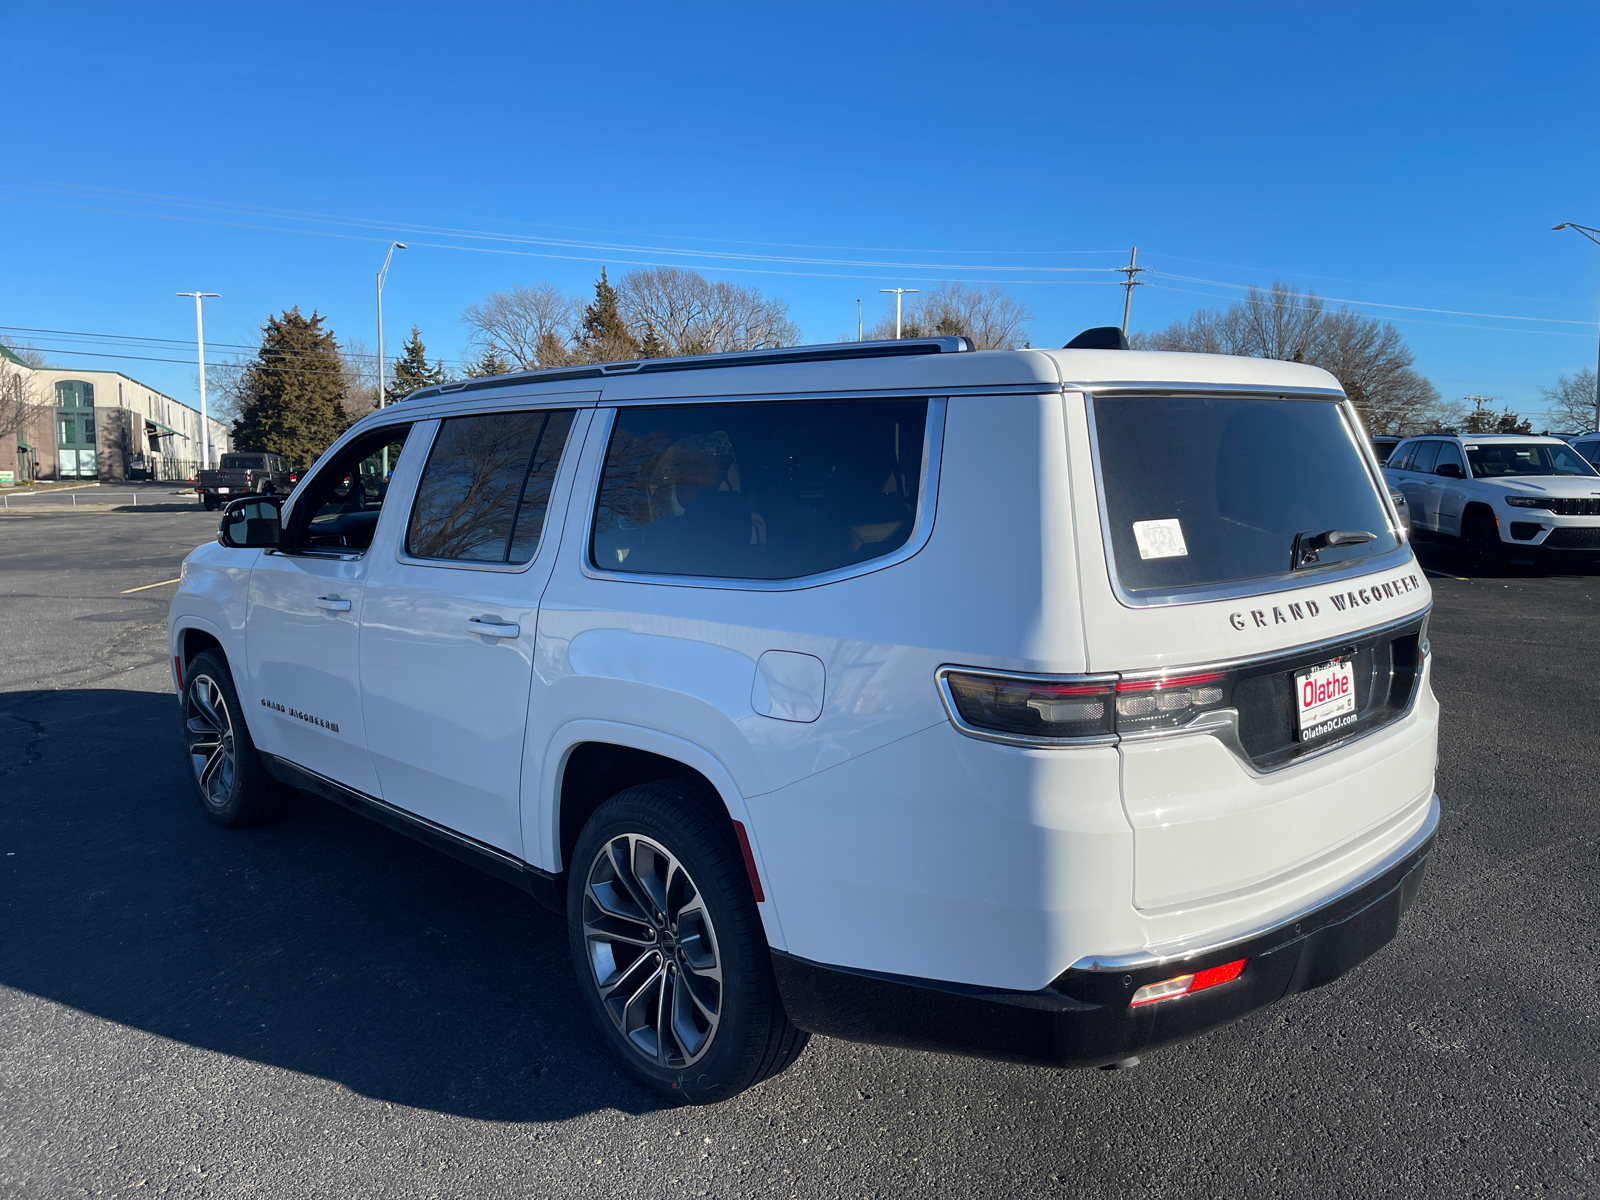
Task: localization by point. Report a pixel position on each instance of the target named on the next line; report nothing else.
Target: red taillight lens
(1187, 985)
(1033, 707)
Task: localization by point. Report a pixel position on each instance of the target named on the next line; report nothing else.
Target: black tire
(225, 767)
(688, 856)
(1482, 536)
(209, 501)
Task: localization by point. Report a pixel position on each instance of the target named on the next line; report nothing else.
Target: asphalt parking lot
(323, 1008)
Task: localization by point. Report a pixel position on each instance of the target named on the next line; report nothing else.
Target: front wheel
(1482, 536)
(669, 947)
(228, 777)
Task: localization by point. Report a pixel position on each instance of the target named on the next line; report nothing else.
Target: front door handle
(492, 628)
(333, 604)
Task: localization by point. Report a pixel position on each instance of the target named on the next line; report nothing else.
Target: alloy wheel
(208, 728)
(652, 951)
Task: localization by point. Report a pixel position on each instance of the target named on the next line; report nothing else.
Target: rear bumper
(1082, 1019)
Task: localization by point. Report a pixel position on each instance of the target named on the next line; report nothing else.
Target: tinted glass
(1589, 450)
(759, 491)
(1449, 452)
(485, 489)
(339, 510)
(1526, 458)
(1213, 490)
(1427, 454)
(1400, 460)
(241, 462)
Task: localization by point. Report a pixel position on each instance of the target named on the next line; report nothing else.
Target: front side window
(486, 488)
(1499, 459)
(338, 511)
(768, 490)
(1210, 490)
(1427, 454)
(1449, 453)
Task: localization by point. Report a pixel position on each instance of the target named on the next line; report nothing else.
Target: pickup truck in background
(243, 475)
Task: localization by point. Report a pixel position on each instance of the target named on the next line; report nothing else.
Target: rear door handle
(333, 604)
(494, 629)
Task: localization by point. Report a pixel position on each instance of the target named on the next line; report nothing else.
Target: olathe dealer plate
(1325, 698)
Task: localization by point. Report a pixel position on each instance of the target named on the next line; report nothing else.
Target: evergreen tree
(411, 370)
(291, 393)
(604, 335)
(490, 362)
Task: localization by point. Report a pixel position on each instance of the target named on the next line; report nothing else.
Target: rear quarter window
(1201, 491)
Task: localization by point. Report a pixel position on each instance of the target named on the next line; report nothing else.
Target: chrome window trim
(1168, 952)
(921, 530)
(1169, 388)
(1260, 585)
(1222, 723)
(402, 555)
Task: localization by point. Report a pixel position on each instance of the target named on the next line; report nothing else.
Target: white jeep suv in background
(1041, 705)
(1509, 497)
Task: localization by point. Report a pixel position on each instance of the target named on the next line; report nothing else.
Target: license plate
(1325, 698)
(223, 491)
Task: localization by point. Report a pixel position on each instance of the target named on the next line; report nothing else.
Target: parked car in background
(243, 475)
(1041, 705)
(1509, 497)
(1588, 445)
(1383, 445)
(1402, 508)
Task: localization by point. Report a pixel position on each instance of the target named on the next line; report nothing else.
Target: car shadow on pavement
(322, 943)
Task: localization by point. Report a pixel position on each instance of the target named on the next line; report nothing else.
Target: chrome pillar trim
(1219, 941)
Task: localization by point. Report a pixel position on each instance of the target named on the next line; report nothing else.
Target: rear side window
(486, 488)
(1400, 460)
(1210, 490)
(1427, 454)
(774, 490)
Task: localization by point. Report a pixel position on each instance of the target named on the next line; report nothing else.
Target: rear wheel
(1482, 536)
(669, 947)
(209, 501)
(231, 785)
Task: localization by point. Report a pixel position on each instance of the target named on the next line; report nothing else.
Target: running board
(548, 889)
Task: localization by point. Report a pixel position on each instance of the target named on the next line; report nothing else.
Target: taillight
(1168, 703)
(1187, 985)
(1033, 708)
(1053, 710)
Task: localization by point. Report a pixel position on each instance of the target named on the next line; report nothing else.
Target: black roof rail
(830, 352)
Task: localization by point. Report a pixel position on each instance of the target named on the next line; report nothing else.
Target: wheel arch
(1478, 508)
(589, 761)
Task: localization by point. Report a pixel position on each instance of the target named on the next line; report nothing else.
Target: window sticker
(1160, 539)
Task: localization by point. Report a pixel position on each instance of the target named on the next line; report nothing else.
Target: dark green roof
(7, 353)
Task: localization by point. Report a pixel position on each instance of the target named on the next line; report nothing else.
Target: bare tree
(673, 310)
(1570, 403)
(992, 318)
(359, 366)
(20, 400)
(1368, 357)
(529, 327)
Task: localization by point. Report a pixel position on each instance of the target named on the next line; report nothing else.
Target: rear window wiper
(1308, 545)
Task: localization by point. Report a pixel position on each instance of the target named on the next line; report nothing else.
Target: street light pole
(1594, 236)
(383, 274)
(200, 352)
(898, 293)
(858, 319)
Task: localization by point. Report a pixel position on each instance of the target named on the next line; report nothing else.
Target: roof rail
(830, 352)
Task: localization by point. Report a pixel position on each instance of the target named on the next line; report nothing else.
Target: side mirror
(252, 522)
(1449, 471)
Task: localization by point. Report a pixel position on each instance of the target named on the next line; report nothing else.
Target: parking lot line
(148, 586)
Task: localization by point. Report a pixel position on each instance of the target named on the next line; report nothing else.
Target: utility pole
(200, 352)
(1477, 412)
(1133, 270)
(383, 274)
(898, 293)
(858, 319)
(1594, 236)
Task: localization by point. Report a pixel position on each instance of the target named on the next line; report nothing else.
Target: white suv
(1510, 497)
(1040, 705)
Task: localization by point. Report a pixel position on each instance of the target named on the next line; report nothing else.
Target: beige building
(92, 424)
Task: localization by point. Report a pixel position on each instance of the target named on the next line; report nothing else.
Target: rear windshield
(1211, 490)
(241, 462)
(1499, 459)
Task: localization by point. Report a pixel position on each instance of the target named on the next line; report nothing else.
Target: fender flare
(546, 805)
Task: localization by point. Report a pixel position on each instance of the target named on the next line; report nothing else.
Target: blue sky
(1405, 155)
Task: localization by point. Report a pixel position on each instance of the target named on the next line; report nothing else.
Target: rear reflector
(1185, 985)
